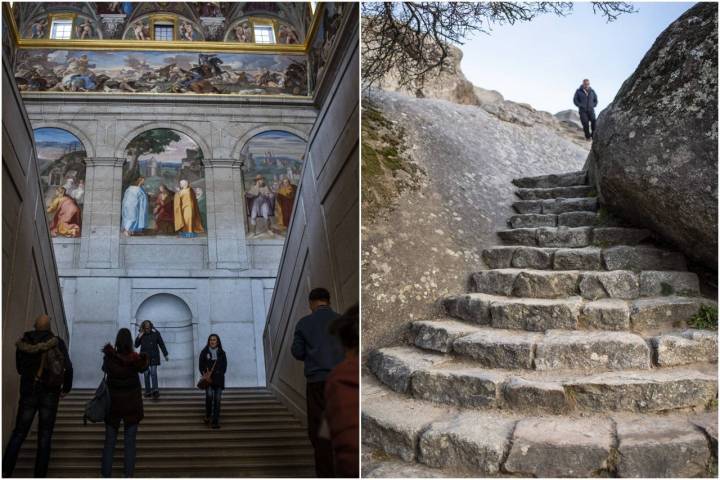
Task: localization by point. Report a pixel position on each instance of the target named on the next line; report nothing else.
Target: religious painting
(241, 31)
(139, 30)
(273, 164)
(41, 70)
(38, 28)
(85, 29)
(163, 186)
(333, 14)
(61, 163)
(287, 35)
(188, 32)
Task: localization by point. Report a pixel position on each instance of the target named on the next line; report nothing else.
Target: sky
(543, 62)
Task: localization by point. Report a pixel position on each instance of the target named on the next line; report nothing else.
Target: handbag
(98, 408)
(206, 380)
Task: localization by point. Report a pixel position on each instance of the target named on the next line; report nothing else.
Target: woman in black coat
(150, 342)
(213, 359)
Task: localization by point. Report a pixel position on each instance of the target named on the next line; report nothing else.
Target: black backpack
(52, 368)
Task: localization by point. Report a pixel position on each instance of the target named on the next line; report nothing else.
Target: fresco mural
(273, 164)
(163, 186)
(161, 72)
(61, 163)
(324, 41)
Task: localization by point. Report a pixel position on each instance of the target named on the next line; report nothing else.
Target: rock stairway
(258, 438)
(572, 356)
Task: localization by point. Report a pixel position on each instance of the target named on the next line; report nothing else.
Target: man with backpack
(46, 375)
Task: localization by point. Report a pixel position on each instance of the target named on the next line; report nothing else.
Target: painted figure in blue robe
(135, 208)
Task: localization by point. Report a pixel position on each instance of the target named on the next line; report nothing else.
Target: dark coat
(122, 370)
(29, 355)
(314, 345)
(151, 343)
(585, 102)
(206, 363)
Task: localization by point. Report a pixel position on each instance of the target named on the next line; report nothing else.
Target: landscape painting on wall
(160, 72)
(273, 164)
(61, 163)
(163, 164)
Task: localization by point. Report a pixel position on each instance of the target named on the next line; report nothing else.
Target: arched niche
(172, 317)
(61, 162)
(158, 163)
(273, 162)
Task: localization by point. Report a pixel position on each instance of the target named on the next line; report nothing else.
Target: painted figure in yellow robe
(285, 197)
(187, 214)
(66, 221)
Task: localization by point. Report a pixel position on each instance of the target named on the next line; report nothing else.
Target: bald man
(46, 374)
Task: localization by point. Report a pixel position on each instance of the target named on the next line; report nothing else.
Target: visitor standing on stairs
(213, 365)
(46, 375)
(586, 100)
(150, 342)
(122, 365)
(321, 352)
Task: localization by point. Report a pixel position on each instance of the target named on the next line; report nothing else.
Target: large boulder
(654, 157)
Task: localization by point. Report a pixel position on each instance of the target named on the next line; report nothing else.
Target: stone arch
(121, 146)
(84, 139)
(242, 142)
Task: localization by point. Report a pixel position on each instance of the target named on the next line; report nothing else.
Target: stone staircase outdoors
(258, 438)
(571, 357)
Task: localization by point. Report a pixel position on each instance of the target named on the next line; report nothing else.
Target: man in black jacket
(586, 101)
(46, 374)
(321, 352)
(150, 341)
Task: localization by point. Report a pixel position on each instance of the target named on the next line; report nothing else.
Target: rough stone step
(466, 385)
(592, 285)
(556, 349)
(557, 192)
(567, 219)
(569, 179)
(557, 205)
(636, 258)
(686, 347)
(568, 237)
(485, 443)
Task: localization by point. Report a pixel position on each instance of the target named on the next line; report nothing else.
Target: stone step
(494, 442)
(569, 179)
(447, 381)
(273, 468)
(557, 205)
(557, 192)
(592, 285)
(543, 234)
(574, 313)
(567, 219)
(635, 258)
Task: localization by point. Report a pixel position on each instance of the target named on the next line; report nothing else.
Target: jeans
(111, 434)
(45, 403)
(315, 398)
(588, 119)
(213, 395)
(151, 377)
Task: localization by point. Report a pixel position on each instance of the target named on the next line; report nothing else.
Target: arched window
(61, 163)
(273, 163)
(163, 186)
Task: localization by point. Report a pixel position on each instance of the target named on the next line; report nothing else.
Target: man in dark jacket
(150, 342)
(321, 351)
(46, 374)
(586, 101)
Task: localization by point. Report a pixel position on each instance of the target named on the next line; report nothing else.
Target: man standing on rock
(586, 101)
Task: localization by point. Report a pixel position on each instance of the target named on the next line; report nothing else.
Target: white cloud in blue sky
(542, 62)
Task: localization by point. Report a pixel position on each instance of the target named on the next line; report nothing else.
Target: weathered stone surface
(438, 335)
(613, 284)
(681, 348)
(494, 282)
(518, 236)
(498, 257)
(577, 219)
(470, 440)
(529, 257)
(660, 447)
(606, 314)
(608, 236)
(532, 220)
(398, 469)
(394, 366)
(561, 349)
(708, 423)
(642, 258)
(564, 237)
(560, 192)
(473, 307)
(708, 339)
(535, 314)
(521, 394)
(545, 284)
(564, 205)
(462, 386)
(654, 157)
(643, 391)
(528, 206)
(650, 313)
(654, 283)
(496, 348)
(578, 259)
(569, 179)
(560, 447)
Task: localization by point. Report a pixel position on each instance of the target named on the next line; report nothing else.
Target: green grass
(706, 318)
